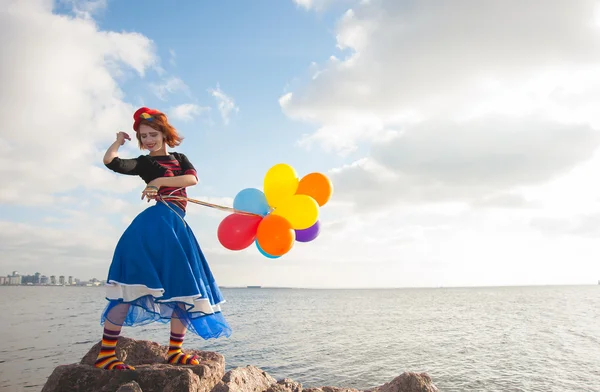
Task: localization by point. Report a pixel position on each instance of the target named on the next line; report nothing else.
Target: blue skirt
(158, 269)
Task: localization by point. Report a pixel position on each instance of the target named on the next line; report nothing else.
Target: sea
(504, 339)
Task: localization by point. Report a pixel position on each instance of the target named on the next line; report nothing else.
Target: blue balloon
(251, 200)
(265, 253)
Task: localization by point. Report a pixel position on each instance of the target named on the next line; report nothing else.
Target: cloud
(168, 86)
(583, 225)
(401, 63)
(504, 200)
(320, 5)
(62, 100)
(213, 212)
(85, 8)
(187, 111)
(445, 103)
(470, 136)
(467, 162)
(71, 241)
(225, 103)
(308, 4)
(172, 57)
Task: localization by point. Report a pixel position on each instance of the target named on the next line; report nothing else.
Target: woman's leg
(178, 330)
(107, 358)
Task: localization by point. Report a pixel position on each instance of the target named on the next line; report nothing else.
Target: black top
(152, 167)
(149, 168)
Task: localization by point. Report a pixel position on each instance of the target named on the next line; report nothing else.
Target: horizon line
(407, 287)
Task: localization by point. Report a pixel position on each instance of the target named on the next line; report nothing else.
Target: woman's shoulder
(178, 155)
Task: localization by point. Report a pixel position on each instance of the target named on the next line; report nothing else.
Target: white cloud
(75, 239)
(214, 212)
(60, 96)
(450, 103)
(85, 8)
(172, 57)
(405, 63)
(474, 135)
(320, 5)
(168, 86)
(304, 3)
(187, 111)
(464, 161)
(225, 103)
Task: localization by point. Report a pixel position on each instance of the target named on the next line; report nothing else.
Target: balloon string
(206, 204)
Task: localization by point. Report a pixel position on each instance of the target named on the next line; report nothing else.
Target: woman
(158, 271)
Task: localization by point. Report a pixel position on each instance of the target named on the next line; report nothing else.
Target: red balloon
(238, 231)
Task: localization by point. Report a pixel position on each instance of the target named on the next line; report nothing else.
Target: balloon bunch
(287, 211)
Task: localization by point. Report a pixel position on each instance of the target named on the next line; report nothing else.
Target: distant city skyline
(16, 278)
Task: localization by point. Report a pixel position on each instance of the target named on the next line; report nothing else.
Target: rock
(247, 379)
(152, 372)
(408, 382)
(285, 385)
(132, 352)
(149, 378)
(331, 389)
(130, 387)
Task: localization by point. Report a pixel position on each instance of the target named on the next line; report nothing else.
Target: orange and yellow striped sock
(175, 355)
(107, 357)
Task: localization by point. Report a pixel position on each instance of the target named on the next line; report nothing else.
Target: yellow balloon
(302, 211)
(281, 182)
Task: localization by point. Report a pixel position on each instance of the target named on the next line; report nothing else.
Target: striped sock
(107, 358)
(175, 355)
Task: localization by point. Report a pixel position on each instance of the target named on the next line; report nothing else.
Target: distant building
(14, 280)
(3, 280)
(70, 280)
(53, 280)
(61, 280)
(95, 282)
(44, 280)
(27, 279)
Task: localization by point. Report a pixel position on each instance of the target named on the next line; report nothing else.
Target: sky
(462, 139)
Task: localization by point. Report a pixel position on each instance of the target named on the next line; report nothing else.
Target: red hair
(158, 121)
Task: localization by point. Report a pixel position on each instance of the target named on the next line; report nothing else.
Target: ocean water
(468, 339)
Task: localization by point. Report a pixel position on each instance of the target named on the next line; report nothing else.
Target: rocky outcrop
(130, 387)
(418, 382)
(247, 379)
(153, 374)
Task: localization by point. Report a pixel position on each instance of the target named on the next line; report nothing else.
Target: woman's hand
(112, 151)
(150, 192)
(121, 137)
(152, 189)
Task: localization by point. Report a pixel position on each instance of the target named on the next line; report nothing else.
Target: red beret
(138, 113)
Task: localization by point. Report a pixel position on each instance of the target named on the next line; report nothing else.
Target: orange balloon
(275, 235)
(317, 186)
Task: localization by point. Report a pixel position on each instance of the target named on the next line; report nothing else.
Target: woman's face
(152, 140)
